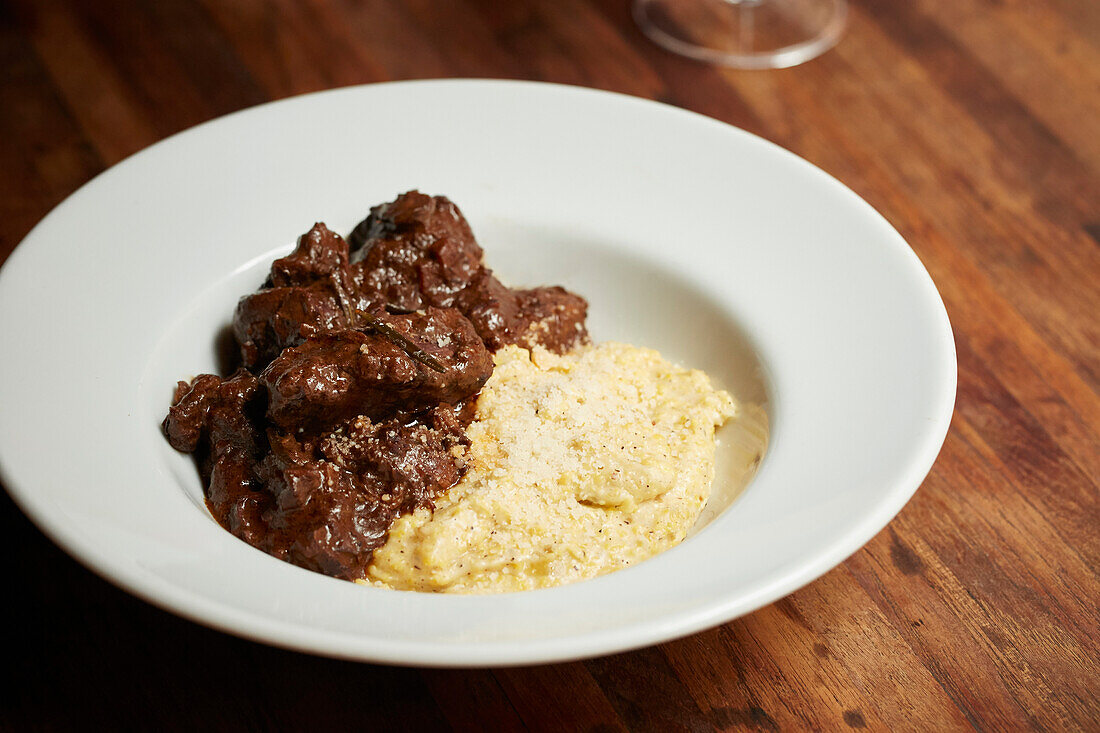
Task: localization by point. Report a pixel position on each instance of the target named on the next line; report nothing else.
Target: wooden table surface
(972, 125)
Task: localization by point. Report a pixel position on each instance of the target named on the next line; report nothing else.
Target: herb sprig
(386, 330)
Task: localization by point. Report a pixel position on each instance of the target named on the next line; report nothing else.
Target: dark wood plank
(569, 42)
(647, 693)
(43, 154)
(559, 697)
(471, 696)
(1059, 81)
(293, 48)
(98, 97)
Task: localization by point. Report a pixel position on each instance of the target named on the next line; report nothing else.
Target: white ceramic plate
(687, 235)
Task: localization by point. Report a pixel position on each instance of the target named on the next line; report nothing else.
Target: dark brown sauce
(360, 368)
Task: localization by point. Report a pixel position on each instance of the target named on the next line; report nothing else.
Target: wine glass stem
(746, 27)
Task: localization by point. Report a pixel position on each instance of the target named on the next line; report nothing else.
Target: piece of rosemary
(415, 352)
(398, 310)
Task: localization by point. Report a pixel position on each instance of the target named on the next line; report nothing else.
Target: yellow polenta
(578, 465)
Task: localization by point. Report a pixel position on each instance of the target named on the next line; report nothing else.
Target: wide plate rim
(336, 644)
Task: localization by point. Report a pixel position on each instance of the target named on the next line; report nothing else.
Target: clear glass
(746, 34)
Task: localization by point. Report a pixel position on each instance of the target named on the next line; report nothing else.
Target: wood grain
(973, 125)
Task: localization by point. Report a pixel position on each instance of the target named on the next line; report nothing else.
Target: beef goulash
(403, 419)
(360, 368)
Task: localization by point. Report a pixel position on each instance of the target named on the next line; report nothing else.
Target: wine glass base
(745, 34)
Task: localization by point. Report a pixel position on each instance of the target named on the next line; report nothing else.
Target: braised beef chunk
(212, 407)
(413, 252)
(361, 373)
(234, 494)
(320, 254)
(185, 424)
(492, 307)
(549, 317)
(417, 250)
(271, 320)
(334, 498)
(309, 291)
(323, 518)
(552, 317)
(336, 376)
(218, 419)
(415, 460)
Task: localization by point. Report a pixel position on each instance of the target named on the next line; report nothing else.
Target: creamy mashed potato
(578, 465)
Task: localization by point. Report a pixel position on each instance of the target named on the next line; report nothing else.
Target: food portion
(360, 366)
(415, 252)
(401, 417)
(577, 465)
